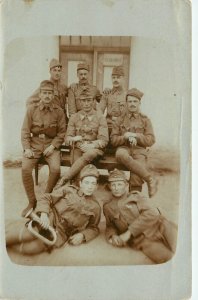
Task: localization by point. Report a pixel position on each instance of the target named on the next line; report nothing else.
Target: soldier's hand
(76, 239)
(77, 138)
(28, 153)
(132, 141)
(116, 241)
(48, 151)
(129, 134)
(70, 140)
(125, 236)
(44, 221)
(107, 91)
(86, 147)
(60, 183)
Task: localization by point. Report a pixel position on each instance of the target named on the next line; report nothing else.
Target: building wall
(152, 70)
(26, 65)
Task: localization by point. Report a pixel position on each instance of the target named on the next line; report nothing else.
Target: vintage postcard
(96, 137)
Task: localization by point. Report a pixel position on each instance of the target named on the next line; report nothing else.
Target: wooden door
(70, 62)
(105, 64)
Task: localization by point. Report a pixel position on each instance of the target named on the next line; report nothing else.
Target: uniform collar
(118, 90)
(83, 84)
(89, 115)
(55, 82)
(133, 115)
(43, 107)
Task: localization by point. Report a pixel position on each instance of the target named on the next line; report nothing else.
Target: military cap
(86, 94)
(83, 66)
(118, 71)
(116, 175)
(54, 63)
(135, 93)
(89, 170)
(47, 85)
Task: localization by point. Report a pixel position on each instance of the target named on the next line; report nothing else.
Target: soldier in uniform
(132, 133)
(72, 211)
(74, 91)
(42, 134)
(132, 221)
(88, 131)
(114, 101)
(60, 89)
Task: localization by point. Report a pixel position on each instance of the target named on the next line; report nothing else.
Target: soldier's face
(83, 76)
(46, 96)
(88, 185)
(118, 188)
(133, 104)
(117, 80)
(56, 73)
(87, 104)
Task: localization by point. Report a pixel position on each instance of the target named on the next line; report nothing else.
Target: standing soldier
(60, 89)
(132, 133)
(73, 212)
(88, 130)
(131, 220)
(42, 134)
(74, 91)
(114, 101)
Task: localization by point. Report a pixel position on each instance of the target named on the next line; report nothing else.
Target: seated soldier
(74, 91)
(42, 134)
(132, 133)
(73, 212)
(60, 89)
(131, 220)
(114, 100)
(88, 131)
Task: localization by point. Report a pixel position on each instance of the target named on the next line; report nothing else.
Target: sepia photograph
(94, 166)
(106, 167)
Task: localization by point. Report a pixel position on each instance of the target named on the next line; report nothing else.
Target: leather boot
(29, 188)
(152, 184)
(52, 180)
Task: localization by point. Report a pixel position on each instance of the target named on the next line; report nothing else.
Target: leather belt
(40, 135)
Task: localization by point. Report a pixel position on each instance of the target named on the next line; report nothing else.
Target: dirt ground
(96, 252)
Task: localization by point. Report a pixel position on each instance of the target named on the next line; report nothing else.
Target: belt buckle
(41, 136)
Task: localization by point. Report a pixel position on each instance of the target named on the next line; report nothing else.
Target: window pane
(107, 77)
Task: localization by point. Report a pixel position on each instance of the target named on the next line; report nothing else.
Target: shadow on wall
(159, 161)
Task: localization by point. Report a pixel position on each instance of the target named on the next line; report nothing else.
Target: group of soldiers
(89, 121)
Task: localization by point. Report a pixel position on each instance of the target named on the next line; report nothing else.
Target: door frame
(95, 51)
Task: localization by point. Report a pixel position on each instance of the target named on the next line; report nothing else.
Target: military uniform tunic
(114, 102)
(141, 125)
(151, 231)
(60, 95)
(71, 212)
(41, 127)
(93, 129)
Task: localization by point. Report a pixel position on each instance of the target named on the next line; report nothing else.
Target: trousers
(28, 165)
(136, 164)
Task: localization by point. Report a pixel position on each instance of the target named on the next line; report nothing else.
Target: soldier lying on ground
(42, 134)
(131, 220)
(132, 133)
(88, 130)
(73, 212)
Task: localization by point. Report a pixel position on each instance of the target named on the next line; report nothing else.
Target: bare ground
(96, 252)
